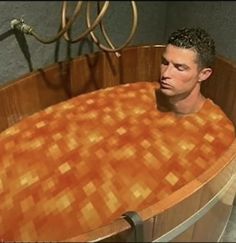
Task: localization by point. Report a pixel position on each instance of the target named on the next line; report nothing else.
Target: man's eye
(164, 62)
(180, 68)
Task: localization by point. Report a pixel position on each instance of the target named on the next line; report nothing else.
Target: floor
(230, 231)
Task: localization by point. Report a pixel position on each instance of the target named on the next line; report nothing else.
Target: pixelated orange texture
(80, 164)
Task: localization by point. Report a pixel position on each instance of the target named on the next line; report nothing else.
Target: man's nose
(166, 71)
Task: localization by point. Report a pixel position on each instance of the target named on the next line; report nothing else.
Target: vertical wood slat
(86, 73)
(140, 64)
(175, 215)
(18, 100)
(53, 84)
(229, 96)
(186, 236)
(221, 87)
(231, 99)
(223, 72)
(211, 225)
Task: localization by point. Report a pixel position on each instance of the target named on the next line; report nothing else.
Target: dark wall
(21, 53)
(217, 17)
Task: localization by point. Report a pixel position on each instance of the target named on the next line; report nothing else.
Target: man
(186, 63)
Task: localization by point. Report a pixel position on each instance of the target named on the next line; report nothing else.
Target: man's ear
(204, 74)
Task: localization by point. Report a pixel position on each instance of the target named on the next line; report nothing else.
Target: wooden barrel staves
(77, 165)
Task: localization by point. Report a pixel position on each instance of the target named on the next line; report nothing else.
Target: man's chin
(166, 92)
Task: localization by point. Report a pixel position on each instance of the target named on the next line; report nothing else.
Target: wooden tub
(199, 211)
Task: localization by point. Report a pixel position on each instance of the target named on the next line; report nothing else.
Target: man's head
(186, 62)
(198, 40)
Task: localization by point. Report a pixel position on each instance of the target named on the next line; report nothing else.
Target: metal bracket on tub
(136, 223)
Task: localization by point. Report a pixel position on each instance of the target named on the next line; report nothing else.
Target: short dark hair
(198, 40)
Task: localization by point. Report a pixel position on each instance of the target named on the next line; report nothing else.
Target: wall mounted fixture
(67, 22)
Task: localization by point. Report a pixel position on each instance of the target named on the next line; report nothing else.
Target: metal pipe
(19, 25)
(104, 48)
(27, 29)
(64, 28)
(90, 27)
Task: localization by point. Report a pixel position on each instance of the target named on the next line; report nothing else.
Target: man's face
(179, 71)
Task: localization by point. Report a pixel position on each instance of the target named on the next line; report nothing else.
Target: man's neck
(191, 103)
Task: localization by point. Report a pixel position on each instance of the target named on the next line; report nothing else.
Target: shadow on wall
(68, 47)
(83, 46)
(6, 34)
(22, 42)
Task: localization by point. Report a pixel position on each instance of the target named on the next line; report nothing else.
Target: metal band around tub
(136, 223)
(196, 216)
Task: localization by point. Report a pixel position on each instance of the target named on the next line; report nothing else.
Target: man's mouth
(165, 84)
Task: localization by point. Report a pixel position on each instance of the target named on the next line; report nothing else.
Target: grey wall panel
(217, 17)
(22, 53)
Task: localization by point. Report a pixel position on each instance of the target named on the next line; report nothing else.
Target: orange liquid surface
(82, 163)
